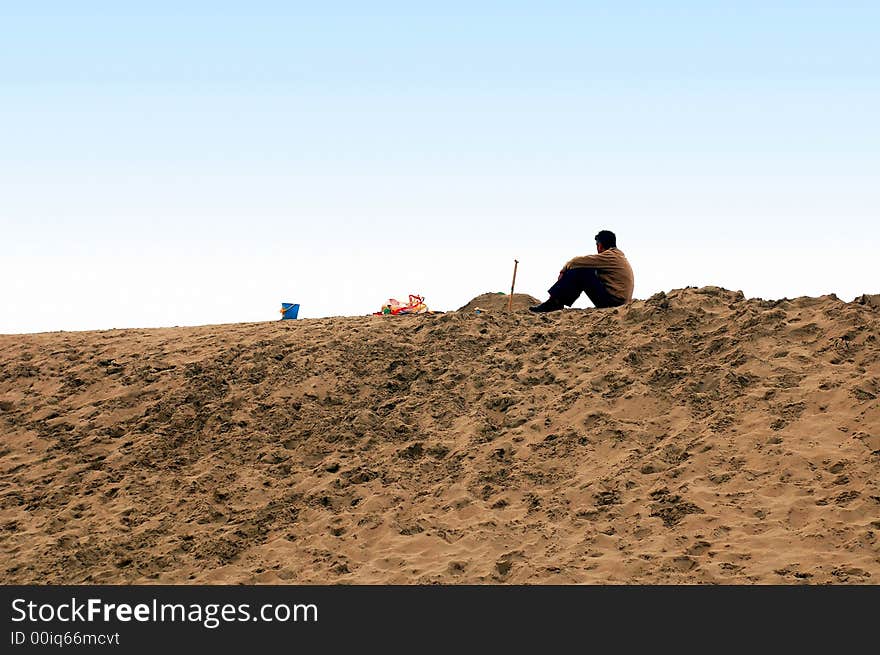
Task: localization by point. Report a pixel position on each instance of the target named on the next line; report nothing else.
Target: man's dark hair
(606, 239)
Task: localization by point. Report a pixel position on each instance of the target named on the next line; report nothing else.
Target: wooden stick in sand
(512, 284)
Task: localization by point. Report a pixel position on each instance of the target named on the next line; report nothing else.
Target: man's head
(605, 240)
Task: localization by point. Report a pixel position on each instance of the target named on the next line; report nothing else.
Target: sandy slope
(497, 302)
(695, 437)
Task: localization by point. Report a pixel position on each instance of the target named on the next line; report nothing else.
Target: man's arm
(587, 261)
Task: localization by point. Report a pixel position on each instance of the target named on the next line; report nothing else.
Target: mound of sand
(869, 299)
(497, 302)
(695, 437)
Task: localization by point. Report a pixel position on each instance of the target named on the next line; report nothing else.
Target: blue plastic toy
(289, 310)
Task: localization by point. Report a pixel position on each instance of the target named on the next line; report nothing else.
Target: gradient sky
(172, 166)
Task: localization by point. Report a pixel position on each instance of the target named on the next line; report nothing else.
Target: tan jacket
(613, 269)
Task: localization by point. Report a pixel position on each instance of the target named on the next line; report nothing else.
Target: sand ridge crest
(693, 437)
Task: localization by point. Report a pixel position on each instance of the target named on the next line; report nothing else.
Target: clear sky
(200, 162)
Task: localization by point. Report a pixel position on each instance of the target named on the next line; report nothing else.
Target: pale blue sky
(168, 167)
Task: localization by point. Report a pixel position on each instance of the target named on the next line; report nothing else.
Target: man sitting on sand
(606, 278)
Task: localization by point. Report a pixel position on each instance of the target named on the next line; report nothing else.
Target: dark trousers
(577, 280)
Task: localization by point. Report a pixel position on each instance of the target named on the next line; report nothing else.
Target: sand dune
(495, 302)
(694, 437)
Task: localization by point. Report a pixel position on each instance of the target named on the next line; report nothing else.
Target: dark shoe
(550, 305)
